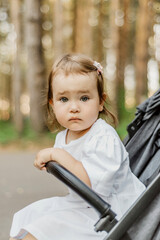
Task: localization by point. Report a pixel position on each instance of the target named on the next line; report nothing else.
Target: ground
(21, 183)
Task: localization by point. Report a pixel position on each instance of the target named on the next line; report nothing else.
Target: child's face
(76, 103)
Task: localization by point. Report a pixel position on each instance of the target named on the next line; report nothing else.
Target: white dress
(68, 218)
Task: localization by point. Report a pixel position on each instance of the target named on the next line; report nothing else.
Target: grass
(29, 139)
(7, 132)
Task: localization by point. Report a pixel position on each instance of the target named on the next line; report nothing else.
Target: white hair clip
(98, 66)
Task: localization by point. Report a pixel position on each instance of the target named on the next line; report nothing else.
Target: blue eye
(63, 99)
(84, 98)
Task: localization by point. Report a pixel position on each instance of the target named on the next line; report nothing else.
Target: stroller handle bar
(102, 207)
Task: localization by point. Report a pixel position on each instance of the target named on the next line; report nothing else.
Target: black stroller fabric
(143, 145)
(143, 141)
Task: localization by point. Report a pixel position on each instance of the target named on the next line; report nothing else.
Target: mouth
(74, 119)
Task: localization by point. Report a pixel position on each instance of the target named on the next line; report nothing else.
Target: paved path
(20, 184)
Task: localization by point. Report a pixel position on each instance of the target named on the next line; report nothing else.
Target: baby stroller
(142, 220)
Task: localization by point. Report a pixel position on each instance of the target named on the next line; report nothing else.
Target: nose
(74, 107)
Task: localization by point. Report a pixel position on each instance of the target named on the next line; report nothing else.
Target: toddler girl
(88, 147)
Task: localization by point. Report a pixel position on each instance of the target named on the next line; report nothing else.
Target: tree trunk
(58, 41)
(100, 55)
(121, 62)
(17, 74)
(35, 70)
(82, 29)
(141, 51)
(112, 53)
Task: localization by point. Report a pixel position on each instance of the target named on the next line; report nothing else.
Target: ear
(50, 101)
(104, 96)
(51, 104)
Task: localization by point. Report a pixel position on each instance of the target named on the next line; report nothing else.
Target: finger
(35, 163)
(38, 165)
(43, 169)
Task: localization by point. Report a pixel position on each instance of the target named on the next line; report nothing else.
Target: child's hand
(63, 158)
(52, 154)
(43, 157)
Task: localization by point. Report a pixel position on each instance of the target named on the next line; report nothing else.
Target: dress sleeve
(60, 138)
(102, 159)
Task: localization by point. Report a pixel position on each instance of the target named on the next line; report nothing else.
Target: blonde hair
(76, 64)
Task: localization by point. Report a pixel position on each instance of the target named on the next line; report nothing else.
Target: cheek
(59, 111)
(91, 111)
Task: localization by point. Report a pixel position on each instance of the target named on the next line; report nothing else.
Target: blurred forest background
(123, 35)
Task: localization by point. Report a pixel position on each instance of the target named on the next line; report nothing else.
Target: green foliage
(9, 136)
(122, 129)
(128, 116)
(7, 132)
